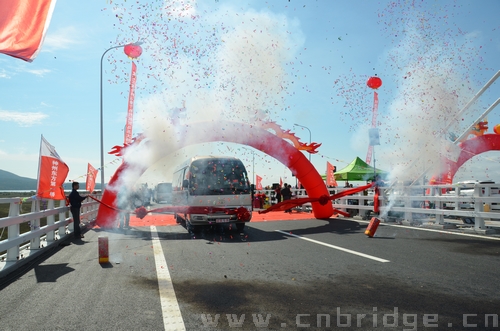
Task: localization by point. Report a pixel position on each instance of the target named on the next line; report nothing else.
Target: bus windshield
(218, 177)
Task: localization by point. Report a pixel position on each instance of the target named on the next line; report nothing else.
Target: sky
(283, 61)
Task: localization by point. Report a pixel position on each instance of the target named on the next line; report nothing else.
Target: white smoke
(241, 78)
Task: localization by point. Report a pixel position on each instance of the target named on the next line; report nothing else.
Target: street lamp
(305, 127)
(102, 130)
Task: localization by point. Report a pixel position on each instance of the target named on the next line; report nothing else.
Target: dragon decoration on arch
(287, 134)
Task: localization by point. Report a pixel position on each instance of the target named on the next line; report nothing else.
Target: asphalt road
(283, 275)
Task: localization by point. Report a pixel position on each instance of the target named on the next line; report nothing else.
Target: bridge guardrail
(27, 237)
(412, 203)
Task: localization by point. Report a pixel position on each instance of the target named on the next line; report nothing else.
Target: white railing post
(50, 236)
(439, 205)
(62, 216)
(35, 225)
(478, 207)
(407, 203)
(13, 232)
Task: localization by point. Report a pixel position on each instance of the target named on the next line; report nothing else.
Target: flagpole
(39, 163)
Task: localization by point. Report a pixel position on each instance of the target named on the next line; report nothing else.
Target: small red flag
(91, 176)
(330, 177)
(258, 182)
(52, 173)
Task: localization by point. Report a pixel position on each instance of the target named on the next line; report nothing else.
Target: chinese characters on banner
(52, 173)
(130, 113)
(258, 182)
(330, 177)
(91, 176)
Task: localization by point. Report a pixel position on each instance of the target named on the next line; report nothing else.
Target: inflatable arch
(235, 132)
(470, 148)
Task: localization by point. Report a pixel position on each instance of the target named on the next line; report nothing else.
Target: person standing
(75, 201)
(278, 194)
(286, 192)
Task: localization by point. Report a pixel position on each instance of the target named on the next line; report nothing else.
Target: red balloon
(374, 82)
(496, 128)
(133, 51)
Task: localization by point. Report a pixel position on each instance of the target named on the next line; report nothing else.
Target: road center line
(335, 247)
(172, 318)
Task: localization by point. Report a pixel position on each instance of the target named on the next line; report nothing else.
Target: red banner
(330, 175)
(52, 173)
(91, 176)
(130, 113)
(374, 124)
(23, 24)
(258, 182)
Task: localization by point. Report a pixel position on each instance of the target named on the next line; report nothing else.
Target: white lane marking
(172, 318)
(435, 230)
(335, 247)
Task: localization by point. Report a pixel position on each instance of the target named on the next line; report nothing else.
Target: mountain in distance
(10, 181)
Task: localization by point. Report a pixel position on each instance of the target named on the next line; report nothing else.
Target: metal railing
(435, 203)
(29, 234)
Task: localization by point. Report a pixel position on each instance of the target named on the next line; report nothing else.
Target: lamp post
(102, 126)
(305, 127)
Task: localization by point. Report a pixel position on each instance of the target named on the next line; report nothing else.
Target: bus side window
(185, 183)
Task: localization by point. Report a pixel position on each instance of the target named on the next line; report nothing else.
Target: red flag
(258, 182)
(23, 24)
(52, 173)
(281, 182)
(91, 176)
(330, 177)
(130, 114)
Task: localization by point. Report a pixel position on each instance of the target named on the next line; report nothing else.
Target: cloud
(38, 72)
(23, 119)
(63, 38)
(4, 74)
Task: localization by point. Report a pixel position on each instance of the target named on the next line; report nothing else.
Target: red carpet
(168, 219)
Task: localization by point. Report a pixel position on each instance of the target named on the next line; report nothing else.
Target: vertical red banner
(330, 175)
(374, 124)
(130, 114)
(91, 176)
(258, 182)
(52, 173)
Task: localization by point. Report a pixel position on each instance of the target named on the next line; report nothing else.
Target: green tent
(358, 170)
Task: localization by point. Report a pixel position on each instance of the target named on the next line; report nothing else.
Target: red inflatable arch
(235, 132)
(470, 148)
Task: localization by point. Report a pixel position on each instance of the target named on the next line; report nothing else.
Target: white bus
(205, 182)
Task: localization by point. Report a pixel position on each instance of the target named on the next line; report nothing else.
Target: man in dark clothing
(278, 194)
(75, 200)
(286, 192)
